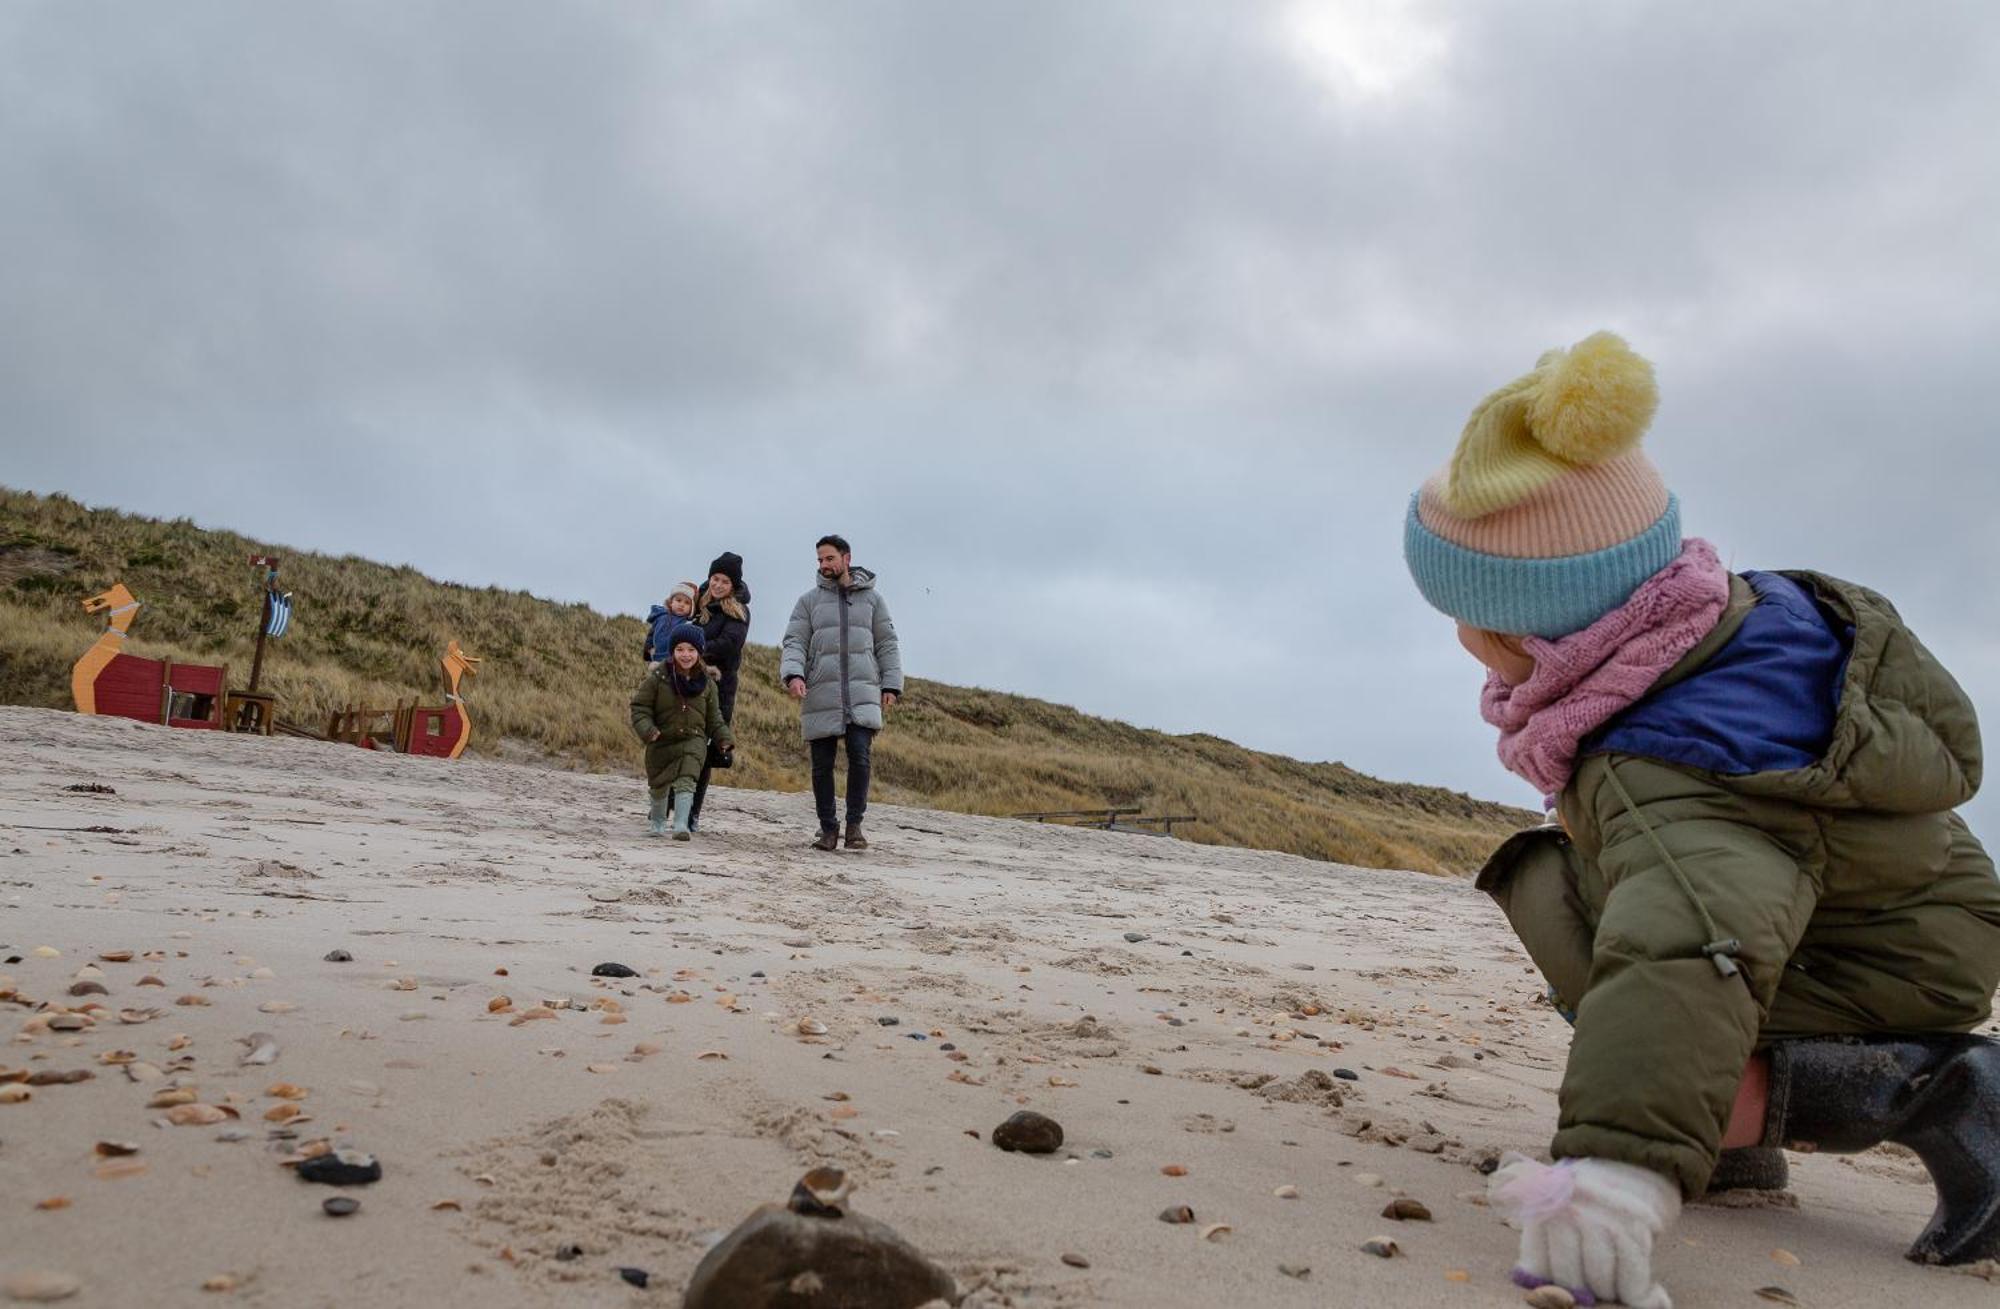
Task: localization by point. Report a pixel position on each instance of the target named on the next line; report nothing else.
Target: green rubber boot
(683, 803)
(656, 816)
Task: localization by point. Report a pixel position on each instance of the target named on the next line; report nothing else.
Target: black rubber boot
(1751, 1168)
(1938, 1096)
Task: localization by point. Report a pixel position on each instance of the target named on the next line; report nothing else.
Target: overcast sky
(1114, 335)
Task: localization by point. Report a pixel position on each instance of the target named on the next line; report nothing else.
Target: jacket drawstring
(1721, 951)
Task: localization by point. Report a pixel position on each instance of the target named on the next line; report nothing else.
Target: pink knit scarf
(1581, 680)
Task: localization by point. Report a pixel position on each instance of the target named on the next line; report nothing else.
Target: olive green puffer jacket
(1856, 900)
(685, 725)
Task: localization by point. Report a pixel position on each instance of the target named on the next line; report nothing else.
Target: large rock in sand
(814, 1254)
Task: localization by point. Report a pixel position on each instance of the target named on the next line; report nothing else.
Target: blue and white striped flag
(281, 614)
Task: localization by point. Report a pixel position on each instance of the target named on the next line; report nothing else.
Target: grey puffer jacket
(841, 640)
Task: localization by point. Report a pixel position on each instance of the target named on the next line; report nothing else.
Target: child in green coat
(1757, 904)
(676, 711)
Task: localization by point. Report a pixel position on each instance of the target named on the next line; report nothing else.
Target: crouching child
(676, 712)
(1757, 904)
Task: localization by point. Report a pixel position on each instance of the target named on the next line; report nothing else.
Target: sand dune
(647, 1115)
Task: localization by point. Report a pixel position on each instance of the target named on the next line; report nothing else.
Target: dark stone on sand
(342, 1168)
(777, 1259)
(340, 1206)
(636, 1276)
(1135, 937)
(1029, 1133)
(888, 1022)
(565, 1253)
(1347, 1074)
(613, 970)
(339, 957)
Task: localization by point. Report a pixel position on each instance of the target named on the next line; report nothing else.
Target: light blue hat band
(1536, 597)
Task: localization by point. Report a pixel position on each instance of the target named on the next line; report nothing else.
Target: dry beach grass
(555, 680)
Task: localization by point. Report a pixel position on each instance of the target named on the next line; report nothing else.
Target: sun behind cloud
(1366, 49)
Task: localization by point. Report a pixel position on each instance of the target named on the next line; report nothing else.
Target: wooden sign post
(270, 564)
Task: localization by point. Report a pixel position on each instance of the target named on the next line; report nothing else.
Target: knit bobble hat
(1548, 516)
(730, 565)
(688, 590)
(687, 634)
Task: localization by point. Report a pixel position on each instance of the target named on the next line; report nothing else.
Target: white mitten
(1588, 1225)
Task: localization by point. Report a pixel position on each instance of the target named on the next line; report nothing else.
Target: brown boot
(855, 840)
(828, 840)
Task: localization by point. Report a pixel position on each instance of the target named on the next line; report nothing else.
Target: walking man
(841, 660)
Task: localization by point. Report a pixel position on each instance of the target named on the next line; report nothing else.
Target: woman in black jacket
(723, 614)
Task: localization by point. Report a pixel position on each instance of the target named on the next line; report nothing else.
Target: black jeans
(860, 741)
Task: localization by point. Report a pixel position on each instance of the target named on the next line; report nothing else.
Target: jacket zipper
(846, 699)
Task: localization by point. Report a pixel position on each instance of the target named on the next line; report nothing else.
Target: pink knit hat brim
(1592, 507)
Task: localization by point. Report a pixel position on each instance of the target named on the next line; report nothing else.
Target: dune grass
(555, 679)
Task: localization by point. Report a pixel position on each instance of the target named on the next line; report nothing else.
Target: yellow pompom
(1595, 400)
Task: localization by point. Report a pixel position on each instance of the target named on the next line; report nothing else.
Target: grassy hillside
(555, 678)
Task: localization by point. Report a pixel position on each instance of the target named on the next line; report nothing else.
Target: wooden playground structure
(439, 731)
(108, 681)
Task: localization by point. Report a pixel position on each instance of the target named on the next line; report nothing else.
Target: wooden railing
(1127, 819)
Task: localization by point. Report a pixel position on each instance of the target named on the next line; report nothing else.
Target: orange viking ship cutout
(109, 681)
(443, 732)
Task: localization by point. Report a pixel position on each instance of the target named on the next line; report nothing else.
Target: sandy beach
(1299, 1043)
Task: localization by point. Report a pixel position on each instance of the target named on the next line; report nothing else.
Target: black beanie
(730, 566)
(687, 632)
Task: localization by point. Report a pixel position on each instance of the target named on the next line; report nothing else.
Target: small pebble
(339, 957)
(1076, 1261)
(1347, 1074)
(1549, 1297)
(1300, 1271)
(1382, 1247)
(613, 970)
(341, 1168)
(888, 1022)
(1178, 1213)
(1135, 937)
(1404, 1209)
(636, 1276)
(340, 1206)
(1287, 1192)
(565, 1253)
